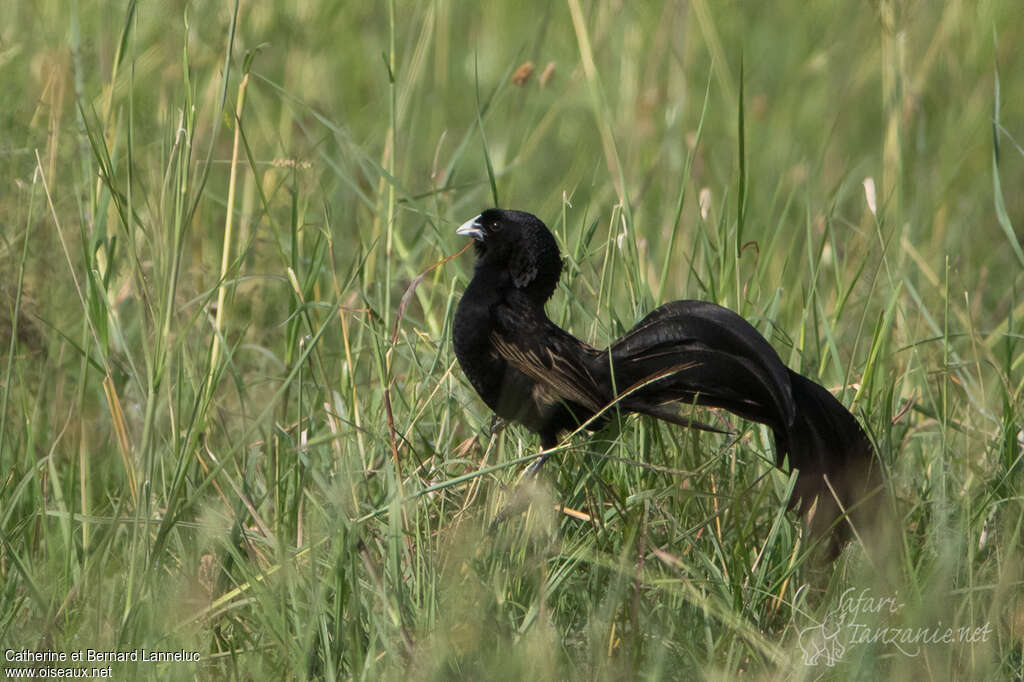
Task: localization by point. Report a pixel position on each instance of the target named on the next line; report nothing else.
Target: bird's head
(519, 244)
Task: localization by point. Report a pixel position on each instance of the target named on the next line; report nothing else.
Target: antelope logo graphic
(820, 643)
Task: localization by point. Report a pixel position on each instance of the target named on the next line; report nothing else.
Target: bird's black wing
(557, 361)
(571, 372)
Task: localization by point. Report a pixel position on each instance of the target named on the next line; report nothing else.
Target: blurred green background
(232, 422)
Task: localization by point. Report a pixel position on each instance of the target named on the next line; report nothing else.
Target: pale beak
(471, 228)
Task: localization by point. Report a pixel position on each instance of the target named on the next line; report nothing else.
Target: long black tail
(724, 362)
(836, 463)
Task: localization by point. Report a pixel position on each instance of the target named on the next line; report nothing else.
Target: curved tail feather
(836, 463)
(726, 363)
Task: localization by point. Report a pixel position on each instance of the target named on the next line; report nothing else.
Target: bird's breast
(471, 334)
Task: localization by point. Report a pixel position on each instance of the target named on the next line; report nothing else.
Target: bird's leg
(535, 468)
(517, 504)
(546, 443)
(497, 424)
(520, 501)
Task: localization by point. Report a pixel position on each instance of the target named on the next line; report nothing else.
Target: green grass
(232, 422)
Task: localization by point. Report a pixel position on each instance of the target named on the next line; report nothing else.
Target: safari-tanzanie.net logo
(863, 618)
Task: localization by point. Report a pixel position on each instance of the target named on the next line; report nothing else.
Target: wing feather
(563, 379)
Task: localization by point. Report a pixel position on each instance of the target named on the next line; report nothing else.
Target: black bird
(529, 370)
